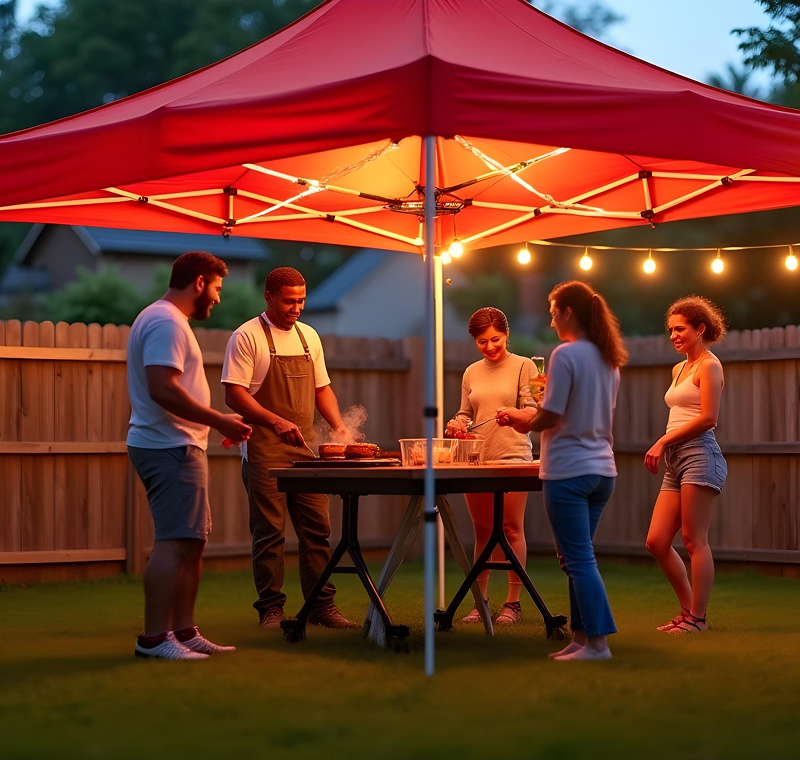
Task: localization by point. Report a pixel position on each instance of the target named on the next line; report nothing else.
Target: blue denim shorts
(697, 462)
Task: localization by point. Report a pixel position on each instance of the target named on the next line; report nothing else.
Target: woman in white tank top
(695, 469)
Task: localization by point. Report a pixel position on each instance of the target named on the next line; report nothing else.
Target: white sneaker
(199, 643)
(586, 653)
(169, 649)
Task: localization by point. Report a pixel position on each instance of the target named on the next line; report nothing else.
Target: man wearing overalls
(274, 376)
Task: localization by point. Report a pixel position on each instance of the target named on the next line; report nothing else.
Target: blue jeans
(574, 506)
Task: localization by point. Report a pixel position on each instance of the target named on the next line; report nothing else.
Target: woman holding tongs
(500, 379)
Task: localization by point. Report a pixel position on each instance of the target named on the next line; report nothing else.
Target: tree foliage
(102, 297)
(776, 47)
(82, 53)
(105, 297)
(594, 19)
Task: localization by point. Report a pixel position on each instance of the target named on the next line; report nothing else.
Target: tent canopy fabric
(315, 134)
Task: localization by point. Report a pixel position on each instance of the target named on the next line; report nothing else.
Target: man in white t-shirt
(274, 375)
(167, 441)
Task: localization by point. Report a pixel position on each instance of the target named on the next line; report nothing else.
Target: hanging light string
(649, 248)
(525, 255)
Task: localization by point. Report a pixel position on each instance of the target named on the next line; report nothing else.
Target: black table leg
(444, 618)
(294, 629)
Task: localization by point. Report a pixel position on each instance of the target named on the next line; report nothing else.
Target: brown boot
(330, 617)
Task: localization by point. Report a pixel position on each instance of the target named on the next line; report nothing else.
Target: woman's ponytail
(595, 318)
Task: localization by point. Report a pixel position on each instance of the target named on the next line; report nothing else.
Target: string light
(586, 260)
(446, 257)
(649, 265)
(456, 249)
(524, 256)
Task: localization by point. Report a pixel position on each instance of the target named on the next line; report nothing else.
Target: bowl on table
(331, 450)
(361, 451)
(469, 451)
(413, 451)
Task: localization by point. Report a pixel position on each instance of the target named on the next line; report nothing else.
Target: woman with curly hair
(695, 469)
(577, 462)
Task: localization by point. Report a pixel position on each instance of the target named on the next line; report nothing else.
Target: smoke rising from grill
(354, 418)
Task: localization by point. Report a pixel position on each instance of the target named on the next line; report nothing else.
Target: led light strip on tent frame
(525, 257)
(447, 202)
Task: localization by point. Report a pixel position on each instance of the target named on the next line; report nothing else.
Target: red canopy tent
(332, 129)
(567, 134)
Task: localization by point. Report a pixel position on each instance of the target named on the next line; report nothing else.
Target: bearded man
(167, 440)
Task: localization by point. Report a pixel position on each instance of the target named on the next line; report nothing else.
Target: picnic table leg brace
(406, 534)
(552, 623)
(294, 629)
(461, 557)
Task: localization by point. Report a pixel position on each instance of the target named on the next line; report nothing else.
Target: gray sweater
(485, 388)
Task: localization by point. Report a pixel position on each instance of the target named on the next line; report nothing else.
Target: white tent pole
(430, 406)
(439, 407)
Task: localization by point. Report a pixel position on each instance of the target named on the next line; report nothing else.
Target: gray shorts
(697, 462)
(176, 481)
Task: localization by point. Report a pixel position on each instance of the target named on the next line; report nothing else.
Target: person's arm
(328, 406)
(238, 369)
(554, 405)
(464, 414)
(238, 398)
(527, 420)
(710, 377)
(167, 392)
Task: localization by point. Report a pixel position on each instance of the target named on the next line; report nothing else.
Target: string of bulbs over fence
(649, 264)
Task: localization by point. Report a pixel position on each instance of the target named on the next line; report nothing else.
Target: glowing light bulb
(456, 249)
(791, 262)
(524, 256)
(446, 258)
(717, 265)
(586, 262)
(649, 264)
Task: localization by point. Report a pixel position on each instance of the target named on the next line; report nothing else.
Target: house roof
(328, 294)
(17, 279)
(101, 240)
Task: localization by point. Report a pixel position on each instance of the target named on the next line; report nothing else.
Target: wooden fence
(72, 507)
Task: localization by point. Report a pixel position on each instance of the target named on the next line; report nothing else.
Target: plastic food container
(413, 451)
(469, 451)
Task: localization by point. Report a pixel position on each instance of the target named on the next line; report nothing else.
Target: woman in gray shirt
(577, 467)
(494, 382)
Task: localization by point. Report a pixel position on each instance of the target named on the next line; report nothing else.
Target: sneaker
(199, 643)
(272, 618)
(511, 614)
(169, 649)
(330, 618)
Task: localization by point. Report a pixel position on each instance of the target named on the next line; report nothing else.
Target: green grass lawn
(70, 687)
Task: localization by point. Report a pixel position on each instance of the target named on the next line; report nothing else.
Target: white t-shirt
(581, 388)
(247, 355)
(161, 337)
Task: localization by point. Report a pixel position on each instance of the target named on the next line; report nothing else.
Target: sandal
(672, 623)
(510, 614)
(689, 624)
(474, 616)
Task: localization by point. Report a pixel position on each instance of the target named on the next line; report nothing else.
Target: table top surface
(364, 481)
(443, 472)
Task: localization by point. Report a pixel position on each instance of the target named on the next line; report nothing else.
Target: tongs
(313, 453)
(472, 426)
